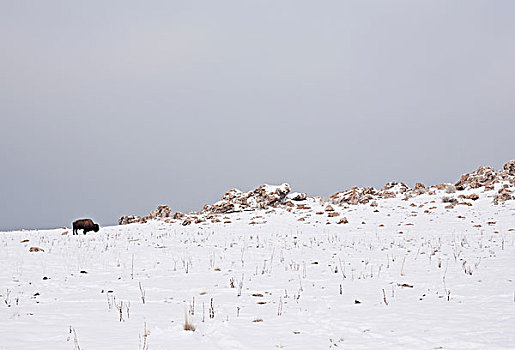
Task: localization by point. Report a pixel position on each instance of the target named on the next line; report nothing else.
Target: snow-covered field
(407, 274)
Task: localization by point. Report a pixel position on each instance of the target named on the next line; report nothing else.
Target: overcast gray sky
(113, 107)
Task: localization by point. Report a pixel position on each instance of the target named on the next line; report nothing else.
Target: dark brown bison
(85, 225)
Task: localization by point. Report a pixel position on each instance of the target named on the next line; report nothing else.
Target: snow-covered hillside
(391, 268)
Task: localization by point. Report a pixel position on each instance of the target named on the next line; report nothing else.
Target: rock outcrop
(131, 219)
(354, 196)
(162, 211)
(499, 185)
(363, 195)
(485, 176)
(504, 194)
(264, 197)
(509, 168)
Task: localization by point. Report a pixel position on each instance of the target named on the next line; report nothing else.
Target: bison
(85, 225)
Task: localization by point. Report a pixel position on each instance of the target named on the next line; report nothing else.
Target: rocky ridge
(498, 184)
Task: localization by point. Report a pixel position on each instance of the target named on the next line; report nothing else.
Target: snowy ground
(395, 278)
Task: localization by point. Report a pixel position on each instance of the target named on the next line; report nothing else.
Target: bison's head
(96, 228)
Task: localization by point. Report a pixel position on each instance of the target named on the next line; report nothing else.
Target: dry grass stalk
(142, 292)
(188, 326)
(146, 333)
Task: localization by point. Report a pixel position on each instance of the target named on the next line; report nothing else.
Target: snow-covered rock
(263, 197)
(297, 196)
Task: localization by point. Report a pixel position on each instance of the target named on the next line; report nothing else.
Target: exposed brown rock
(503, 195)
(388, 194)
(419, 185)
(484, 176)
(399, 187)
(449, 200)
(187, 222)
(266, 195)
(222, 208)
(124, 220)
(354, 196)
(162, 211)
(343, 221)
(178, 215)
(510, 168)
(297, 196)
